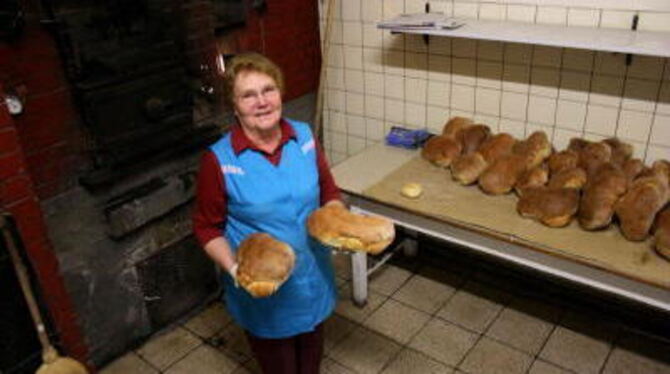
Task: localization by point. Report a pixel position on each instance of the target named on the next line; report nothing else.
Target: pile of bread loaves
(265, 263)
(595, 182)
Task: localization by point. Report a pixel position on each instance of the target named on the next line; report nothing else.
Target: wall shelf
(650, 43)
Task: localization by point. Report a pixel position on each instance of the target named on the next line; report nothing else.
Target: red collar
(240, 141)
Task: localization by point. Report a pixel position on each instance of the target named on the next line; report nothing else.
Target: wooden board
(469, 207)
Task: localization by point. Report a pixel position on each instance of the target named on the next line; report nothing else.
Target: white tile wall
(376, 80)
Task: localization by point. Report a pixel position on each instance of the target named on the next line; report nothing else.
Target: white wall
(376, 80)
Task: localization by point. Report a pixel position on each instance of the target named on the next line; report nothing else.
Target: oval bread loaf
(335, 226)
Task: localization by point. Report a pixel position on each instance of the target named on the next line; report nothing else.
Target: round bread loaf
(264, 264)
(335, 226)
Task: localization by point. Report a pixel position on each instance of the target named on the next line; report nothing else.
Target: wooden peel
(52, 362)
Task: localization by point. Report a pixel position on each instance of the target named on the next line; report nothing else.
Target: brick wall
(18, 197)
(49, 128)
(288, 33)
(42, 151)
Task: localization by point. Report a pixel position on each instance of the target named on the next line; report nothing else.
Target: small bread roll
(411, 190)
(264, 264)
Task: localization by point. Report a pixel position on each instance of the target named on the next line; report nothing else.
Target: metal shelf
(648, 43)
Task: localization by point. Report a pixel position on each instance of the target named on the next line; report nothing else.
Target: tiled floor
(422, 318)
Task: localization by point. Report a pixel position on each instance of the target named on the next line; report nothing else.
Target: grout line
(655, 112)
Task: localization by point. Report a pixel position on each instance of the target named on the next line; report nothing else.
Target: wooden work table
(489, 225)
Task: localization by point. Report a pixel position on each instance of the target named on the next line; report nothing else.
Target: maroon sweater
(211, 208)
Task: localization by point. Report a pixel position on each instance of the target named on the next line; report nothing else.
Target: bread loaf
(335, 226)
(632, 168)
(466, 169)
(566, 159)
(568, 178)
(455, 125)
(496, 146)
(472, 137)
(662, 233)
(441, 150)
(535, 149)
(637, 208)
(593, 155)
(535, 177)
(620, 151)
(264, 264)
(554, 207)
(502, 175)
(601, 192)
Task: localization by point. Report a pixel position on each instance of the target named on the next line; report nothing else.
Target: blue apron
(277, 200)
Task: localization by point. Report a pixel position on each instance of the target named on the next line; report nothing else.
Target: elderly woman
(267, 175)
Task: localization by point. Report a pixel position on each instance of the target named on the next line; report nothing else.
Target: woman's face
(257, 101)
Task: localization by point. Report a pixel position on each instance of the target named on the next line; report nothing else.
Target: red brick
(48, 119)
(28, 215)
(9, 141)
(5, 117)
(12, 164)
(15, 189)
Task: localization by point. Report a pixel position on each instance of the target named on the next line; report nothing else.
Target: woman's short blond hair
(245, 62)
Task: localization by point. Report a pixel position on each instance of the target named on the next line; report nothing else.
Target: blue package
(407, 138)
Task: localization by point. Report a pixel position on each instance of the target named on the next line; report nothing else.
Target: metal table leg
(359, 270)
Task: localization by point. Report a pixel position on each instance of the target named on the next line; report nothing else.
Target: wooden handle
(24, 281)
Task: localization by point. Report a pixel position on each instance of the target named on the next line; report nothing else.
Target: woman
(267, 175)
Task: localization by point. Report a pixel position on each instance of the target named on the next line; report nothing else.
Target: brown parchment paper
(469, 207)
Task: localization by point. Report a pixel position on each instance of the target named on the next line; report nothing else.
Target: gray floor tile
(347, 308)
(424, 293)
(232, 341)
(336, 328)
(342, 265)
(475, 306)
(443, 341)
(204, 360)
(168, 348)
(130, 363)
(397, 321)
(535, 319)
(543, 367)
(209, 321)
(575, 350)
(491, 357)
(411, 361)
(330, 366)
(637, 353)
(387, 279)
(365, 351)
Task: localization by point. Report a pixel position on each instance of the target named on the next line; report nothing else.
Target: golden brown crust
(497, 146)
(535, 149)
(565, 159)
(455, 125)
(535, 177)
(501, 176)
(554, 207)
(466, 169)
(632, 168)
(441, 150)
(335, 226)
(264, 264)
(472, 137)
(637, 208)
(568, 178)
(620, 151)
(593, 155)
(662, 233)
(601, 192)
